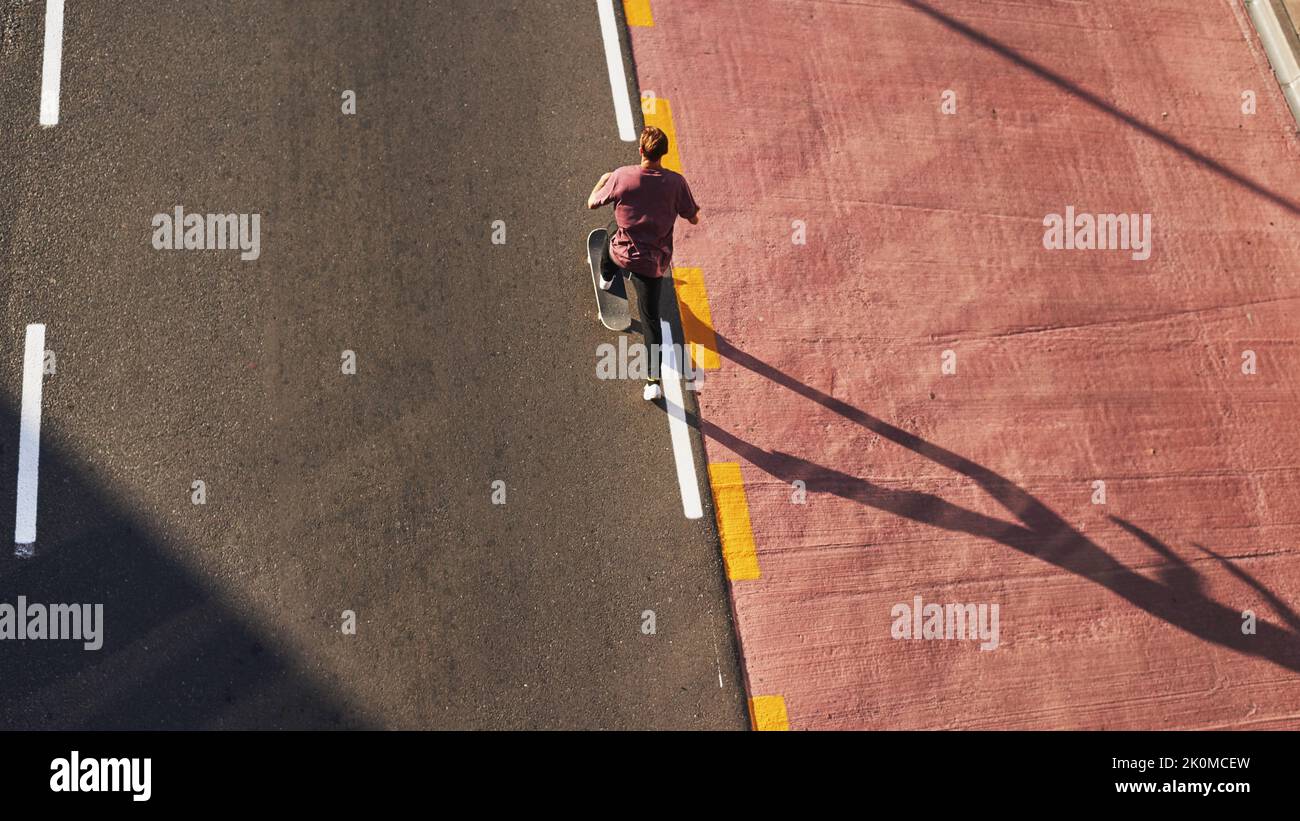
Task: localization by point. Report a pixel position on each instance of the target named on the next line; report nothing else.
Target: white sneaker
(652, 391)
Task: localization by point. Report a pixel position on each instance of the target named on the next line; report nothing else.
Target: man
(648, 199)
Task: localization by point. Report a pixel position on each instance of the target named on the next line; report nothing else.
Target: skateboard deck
(611, 305)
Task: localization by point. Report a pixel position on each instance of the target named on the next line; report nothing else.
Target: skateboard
(611, 305)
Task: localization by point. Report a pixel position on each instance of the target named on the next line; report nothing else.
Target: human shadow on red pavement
(1177, 597)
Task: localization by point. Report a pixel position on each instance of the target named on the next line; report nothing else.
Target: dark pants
(649, 290)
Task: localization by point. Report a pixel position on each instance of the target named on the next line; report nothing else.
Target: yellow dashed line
(733, 522)
(697, 320)
(768, 713)
(738, 553)
(637, 13)
(657, 112)
(734, 529)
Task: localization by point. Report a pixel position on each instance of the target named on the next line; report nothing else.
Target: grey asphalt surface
(328, 492)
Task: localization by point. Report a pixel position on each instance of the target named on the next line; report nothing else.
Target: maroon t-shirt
(647, 201)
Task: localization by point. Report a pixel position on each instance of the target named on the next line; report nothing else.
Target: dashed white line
(29, 441)
(677, 428)
(614, 62)
(717, 659)
(53, 64)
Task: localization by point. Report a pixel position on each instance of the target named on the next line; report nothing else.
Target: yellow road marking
(637, 13)
(697, 320)
(738, 552)
(658, 113)
(768, 713)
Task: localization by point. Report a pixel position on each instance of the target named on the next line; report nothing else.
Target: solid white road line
(53, 62)
(614, 62)
(29, 441)
(681, 436)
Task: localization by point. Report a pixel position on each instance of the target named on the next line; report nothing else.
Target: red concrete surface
(924, 233)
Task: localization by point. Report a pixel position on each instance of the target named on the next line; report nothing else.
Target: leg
(608, 268)
(648, 292)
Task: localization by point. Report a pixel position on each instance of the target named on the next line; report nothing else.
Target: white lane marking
(617, 79)
(681, 436)
(53, 62)
(717, 658)
(29, 441)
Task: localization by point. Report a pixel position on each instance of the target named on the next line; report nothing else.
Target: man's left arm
(687, 208)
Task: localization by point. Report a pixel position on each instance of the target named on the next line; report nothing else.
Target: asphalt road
(328, 492)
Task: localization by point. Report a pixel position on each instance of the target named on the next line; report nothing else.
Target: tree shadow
(1177, 597)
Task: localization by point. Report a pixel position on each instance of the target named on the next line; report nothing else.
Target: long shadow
(1280, 607)
(1045, 73)
(1177, 598)
(176, 654)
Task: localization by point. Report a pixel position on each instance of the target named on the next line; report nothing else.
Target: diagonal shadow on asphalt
(176, 653)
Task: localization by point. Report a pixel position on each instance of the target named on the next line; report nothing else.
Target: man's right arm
(593, 200)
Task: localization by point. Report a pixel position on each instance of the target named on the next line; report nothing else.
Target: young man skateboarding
(648, 199)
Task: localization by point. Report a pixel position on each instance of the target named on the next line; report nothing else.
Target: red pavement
(925, 234)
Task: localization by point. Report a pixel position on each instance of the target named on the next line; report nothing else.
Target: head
(654, 144)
